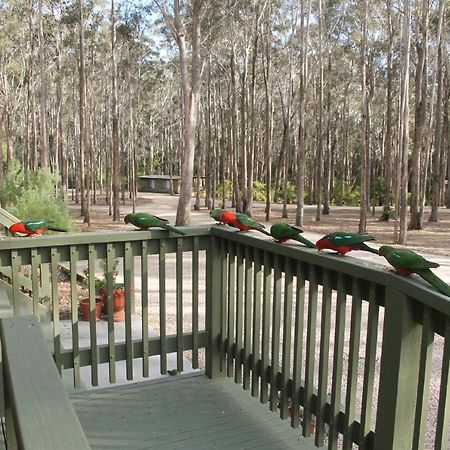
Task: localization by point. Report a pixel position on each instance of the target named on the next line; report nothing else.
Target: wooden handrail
(39, 414)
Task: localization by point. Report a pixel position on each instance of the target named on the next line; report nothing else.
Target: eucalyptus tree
(191, 12)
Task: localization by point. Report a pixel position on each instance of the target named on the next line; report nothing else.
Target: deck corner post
(214, 261)
(398, 374)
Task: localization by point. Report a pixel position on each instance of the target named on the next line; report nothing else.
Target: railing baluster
(15, 271)
(247, 318)
(352, 378)
(162, 306)
(337, 363)
(239, 315)
(224, 305)
(54, 262)
(265, 374)
(92, 257)
(443, 416)
(128, 262)
(276, 317)
(195, 303)
(369, 367)
(231, 307)
(423, 385)
(179, 303)
(110, 257)
(310, 351)
(144, 307)
(256, 343)
(286, 357)
(74, 315)
(35, 261)
(298, 344)
(325, 327)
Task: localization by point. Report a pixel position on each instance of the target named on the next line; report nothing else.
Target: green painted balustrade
(341, 348)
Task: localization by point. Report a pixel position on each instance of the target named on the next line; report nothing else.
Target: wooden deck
(182, 412)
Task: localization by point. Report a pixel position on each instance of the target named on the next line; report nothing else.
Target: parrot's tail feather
(263, 231)
(52, 228)
(435, 281)
(305, 241)
(171, 228)
(369, 249)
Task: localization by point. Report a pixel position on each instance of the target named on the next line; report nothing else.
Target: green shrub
(291, 192)
(38, 200)
(343, 194)
(259, 191)
(228, 189)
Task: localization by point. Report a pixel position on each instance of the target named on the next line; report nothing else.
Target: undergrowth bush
(37, 200)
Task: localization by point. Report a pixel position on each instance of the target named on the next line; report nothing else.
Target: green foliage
(388, 213)
(12, 186)
(37, 201)
(259, 191)
(381, 192)
(228, 189)
(343, 194)
(291, 192)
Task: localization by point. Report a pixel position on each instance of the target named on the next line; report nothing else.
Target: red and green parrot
(144, 221)
(282, 231)
(406, 262)
(30, 227)
(242, 222)
(216, 213)
(343, 242)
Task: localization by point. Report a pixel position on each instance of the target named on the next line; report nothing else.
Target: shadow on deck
(182, 412)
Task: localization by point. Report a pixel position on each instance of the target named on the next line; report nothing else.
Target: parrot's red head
(17, 228)
(321, 244)
(228, 217)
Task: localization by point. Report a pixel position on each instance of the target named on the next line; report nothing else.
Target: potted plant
(101, 294)
(118, 292)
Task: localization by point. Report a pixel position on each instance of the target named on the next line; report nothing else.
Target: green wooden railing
(343, 349)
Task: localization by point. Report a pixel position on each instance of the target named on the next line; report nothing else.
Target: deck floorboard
(183, 412)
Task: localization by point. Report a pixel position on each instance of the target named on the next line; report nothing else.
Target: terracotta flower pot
(118, 303)
(85, 308)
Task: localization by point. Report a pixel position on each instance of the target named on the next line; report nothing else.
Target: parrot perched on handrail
(242, 222)
(143, 221)
(282, 231)
(406, 262)
(343, 242)
(31, 227)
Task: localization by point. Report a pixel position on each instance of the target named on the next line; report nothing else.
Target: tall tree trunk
(421, 82)
(438, 121)
(43, 143)
(388, 136)
(115, 142)
(191, 102)
(82, 115)
(268, 118)
(319, 160)
(402, 201)
(305, 10)
(362, 228)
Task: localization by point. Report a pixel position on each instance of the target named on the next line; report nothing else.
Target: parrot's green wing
(344, 238)
(35, 225)
(249, 221)
(406, 259)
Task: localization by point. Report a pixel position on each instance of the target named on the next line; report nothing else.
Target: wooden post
(214, 262)
(398, 374)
